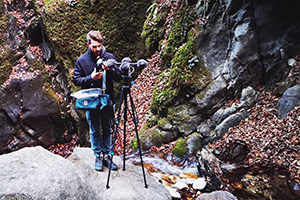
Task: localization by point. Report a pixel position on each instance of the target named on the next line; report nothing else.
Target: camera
(99, 65)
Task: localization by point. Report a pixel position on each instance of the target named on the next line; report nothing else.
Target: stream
(251, 183)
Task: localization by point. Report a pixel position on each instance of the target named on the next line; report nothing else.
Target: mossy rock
(161, 100)
(187, 146)
(162, 123)
(155, 137)
(182, 77)
(181, 112)
(181, 150)
(148, 138)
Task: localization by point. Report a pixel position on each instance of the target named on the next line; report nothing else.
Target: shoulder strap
(104, 81)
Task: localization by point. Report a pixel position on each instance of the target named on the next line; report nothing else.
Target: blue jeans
(100, 142)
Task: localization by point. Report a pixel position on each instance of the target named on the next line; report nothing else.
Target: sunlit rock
(174, 192)
(180, 185)
(199, 184)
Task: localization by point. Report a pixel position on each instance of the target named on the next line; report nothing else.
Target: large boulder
(35, 173)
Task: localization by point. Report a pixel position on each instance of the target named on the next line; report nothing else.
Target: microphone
(111, 63)
(142, 63)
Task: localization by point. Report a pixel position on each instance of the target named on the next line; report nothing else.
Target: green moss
(6, 57)
(2, 8)
(119, 21)
(175, 40)
(5, 66)
(152, 121)
(154, 29)
(162, 122)
(181, 46)
(179, 31)
(180, 150)
(133, 144)
(161, 100)
(148, 137)
(180, 73)
(51, 93)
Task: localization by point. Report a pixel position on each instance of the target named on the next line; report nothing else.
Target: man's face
(95, 47)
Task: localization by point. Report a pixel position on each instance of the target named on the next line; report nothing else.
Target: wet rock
(209, 169)
(204, 129)
(223, 113)
(230, 121)
(193, 143)
(249, 97)
(230, 117)
(185, 118)
(207, 102)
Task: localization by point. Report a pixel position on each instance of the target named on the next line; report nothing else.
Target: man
(86, 76)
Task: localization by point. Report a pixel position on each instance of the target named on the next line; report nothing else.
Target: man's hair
(94, 35)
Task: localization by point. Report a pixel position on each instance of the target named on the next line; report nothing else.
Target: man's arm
(78, 76)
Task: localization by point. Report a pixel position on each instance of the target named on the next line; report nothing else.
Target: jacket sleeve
(79, 79)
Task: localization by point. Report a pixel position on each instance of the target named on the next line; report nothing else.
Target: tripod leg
(124, 130)
(134, 118)
(115, 136)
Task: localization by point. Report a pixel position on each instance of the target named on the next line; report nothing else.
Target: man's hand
(104, 66)
(96, 75)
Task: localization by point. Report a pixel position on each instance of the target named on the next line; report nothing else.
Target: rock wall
(243, 45)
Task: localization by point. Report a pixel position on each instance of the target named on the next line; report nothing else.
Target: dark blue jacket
(84, 67)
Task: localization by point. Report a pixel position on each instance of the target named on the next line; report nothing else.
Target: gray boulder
(289, 100)
(230, 121)
(35, 173)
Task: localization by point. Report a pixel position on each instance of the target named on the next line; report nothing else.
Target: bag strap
(104, 81)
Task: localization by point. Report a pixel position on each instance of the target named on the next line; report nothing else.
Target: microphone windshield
(126, 59)
(111, 62)
(142, 63)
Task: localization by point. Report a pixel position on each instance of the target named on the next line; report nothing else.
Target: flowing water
(252, 183)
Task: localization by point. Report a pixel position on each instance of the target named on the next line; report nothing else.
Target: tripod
(125, 91)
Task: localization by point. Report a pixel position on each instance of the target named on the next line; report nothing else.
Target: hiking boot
(106, 163)
(99, 163)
